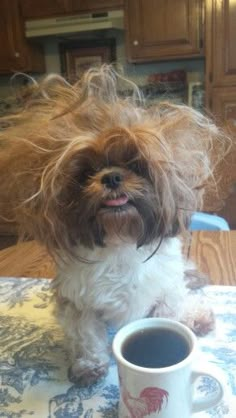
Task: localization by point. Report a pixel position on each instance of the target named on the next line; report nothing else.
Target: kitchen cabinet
(31, 9)
(224, 43)
(95, 5)
(221, 90)
(220, 55)
(16, 54)
(224, 104)
(163, 29)
(43, 9)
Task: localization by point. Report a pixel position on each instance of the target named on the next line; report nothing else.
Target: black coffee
(155, 348)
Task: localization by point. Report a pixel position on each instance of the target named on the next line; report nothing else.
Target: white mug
(162, 392)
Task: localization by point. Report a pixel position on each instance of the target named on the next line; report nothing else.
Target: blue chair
(207, 222)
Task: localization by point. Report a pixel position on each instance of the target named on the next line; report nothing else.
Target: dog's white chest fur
(120, 286)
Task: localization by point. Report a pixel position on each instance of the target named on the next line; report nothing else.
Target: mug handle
(212, 400)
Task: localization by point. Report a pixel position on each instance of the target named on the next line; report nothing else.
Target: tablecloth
(34, 362)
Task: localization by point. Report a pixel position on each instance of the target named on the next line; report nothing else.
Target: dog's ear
(184, 149)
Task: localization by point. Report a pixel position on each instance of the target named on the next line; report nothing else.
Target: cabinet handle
(135, 42)
(17, 54)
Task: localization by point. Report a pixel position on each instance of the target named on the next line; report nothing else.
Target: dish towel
(34, 363)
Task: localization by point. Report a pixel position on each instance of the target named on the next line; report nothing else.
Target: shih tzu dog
(108, 185)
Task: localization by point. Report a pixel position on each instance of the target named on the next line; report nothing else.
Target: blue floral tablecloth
(34, 363)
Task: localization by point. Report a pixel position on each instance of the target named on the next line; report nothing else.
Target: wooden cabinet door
(16, 54)
(224, 105)
(163, 29)
(34, 9)
(224, 42)
(94, 5)
(11, 54)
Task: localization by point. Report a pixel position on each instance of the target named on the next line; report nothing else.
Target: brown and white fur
(108, 185)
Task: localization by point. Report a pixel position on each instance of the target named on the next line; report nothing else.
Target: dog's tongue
(120, 201)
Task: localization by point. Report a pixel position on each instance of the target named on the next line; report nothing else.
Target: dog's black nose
(112, 180)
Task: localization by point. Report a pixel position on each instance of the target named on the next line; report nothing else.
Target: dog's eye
(140, 168)
(85, 175)
(135, 167)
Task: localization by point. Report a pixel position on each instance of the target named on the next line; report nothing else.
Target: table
(33, 360)
(213, 252)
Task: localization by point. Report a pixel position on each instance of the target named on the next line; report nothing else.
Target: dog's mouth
(118, 202)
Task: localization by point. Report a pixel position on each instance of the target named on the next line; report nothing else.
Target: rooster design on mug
(150, 400)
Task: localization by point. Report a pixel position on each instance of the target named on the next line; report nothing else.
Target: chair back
(207, 222)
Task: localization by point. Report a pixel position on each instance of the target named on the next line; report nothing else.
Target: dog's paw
(87, 372)
(200, 319)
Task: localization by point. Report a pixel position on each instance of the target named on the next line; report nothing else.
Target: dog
(108, 185)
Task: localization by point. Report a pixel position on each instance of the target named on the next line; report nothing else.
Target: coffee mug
(156, 369)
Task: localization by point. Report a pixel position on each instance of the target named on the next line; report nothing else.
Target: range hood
(73, 24)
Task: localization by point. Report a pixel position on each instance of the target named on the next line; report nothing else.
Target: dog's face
(119, 191)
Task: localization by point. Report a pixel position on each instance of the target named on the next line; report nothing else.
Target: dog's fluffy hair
(107, 185)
